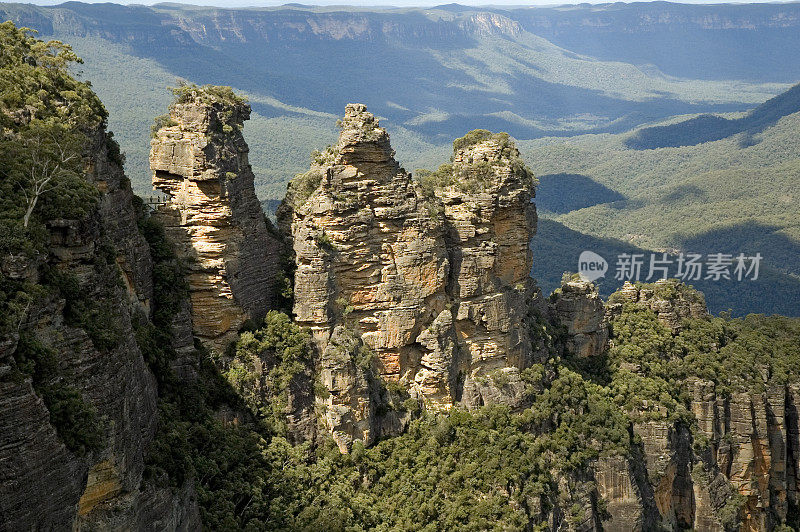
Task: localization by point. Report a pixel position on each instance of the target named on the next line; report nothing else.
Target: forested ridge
(734, 195)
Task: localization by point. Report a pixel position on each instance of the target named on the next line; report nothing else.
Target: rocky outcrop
(752, 443)
(45, 484)
(578, 307)
(736, 469)
(370, 259)
(489, 220)
(433, 280)
(357, 406)
(671, 300)
(213, 216)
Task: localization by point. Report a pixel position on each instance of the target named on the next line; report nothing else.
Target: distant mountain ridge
(708, 128)
(432, 74)
(734, 195)
(712, 41)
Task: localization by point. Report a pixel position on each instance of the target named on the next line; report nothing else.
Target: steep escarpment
(199, 159)
(710, 400)
(433, 279)
(77, 399)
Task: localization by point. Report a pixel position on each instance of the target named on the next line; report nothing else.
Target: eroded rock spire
(432, 276)
(199, 159)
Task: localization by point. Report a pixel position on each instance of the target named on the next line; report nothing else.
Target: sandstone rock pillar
(199, 159)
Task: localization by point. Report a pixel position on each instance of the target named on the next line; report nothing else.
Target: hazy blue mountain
(707, 128)
(734, 195)
(716, 41)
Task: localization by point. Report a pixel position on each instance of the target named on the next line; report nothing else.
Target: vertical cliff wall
(577, 306)
(199, 159)
(729, 464)
(97, 278)
(489, 218)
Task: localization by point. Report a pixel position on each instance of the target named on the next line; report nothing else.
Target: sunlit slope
(727, 196)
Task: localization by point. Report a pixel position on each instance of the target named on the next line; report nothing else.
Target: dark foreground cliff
(384, 361)
(78, 401)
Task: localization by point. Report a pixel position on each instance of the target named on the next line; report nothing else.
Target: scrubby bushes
(469, 176)
(265, 363)
(648, 365)
(209, 94)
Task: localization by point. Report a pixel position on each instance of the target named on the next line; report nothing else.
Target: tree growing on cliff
(45, 118)
(43, 156)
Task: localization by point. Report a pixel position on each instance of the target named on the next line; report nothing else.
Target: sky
(381, 3)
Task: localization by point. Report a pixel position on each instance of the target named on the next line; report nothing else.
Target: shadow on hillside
(562, 193)
(779, 251)
(708, 128)
(685, 192)
(556, 249)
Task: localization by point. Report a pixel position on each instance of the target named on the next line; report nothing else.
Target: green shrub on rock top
(472, 177)
(159, 122)
(474, 137)
(209, 94)
(302, 187)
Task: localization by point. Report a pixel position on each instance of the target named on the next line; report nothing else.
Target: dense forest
(491, 468)
(733, 195)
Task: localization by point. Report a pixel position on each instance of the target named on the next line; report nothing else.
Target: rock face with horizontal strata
(214, 217)
(489, 220)
(737, 469)
(435, 283)
(578, 307)
(44, 485)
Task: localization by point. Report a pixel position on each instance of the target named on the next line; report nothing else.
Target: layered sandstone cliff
(46, 484)
(489, 220)
(199, 159)
(737, 469)
(433, 280)
(577, 306)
